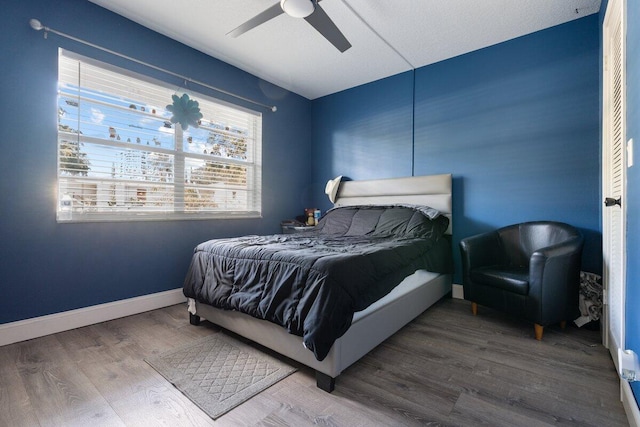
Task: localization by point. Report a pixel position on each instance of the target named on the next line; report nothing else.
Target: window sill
(65, 218)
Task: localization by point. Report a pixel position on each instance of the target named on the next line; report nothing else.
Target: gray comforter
(312, 283)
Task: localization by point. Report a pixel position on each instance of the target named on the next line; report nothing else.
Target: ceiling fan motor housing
(297, 8)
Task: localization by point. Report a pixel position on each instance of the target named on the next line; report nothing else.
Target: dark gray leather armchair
(529, 270)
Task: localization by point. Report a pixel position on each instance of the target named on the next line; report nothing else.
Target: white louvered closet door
(614, 176)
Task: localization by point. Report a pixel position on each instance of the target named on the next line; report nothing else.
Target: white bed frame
(377, 322)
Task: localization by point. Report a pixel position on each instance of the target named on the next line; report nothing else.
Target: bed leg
(194, 319)
(325, 382)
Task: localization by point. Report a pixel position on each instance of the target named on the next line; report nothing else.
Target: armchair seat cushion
(510, 278)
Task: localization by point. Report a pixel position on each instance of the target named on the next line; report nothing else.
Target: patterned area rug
(218, 373)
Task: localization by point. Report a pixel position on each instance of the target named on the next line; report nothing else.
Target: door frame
(614, 7)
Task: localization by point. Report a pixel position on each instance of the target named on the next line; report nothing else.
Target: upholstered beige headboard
(428, 190)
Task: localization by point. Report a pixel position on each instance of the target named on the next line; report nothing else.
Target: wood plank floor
(445, 368)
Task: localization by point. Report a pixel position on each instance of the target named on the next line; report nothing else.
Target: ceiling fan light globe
(35, 24)
(297, 8)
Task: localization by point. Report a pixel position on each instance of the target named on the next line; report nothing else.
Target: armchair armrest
(482, 249)
(556, 270)
(558, 257)
(479, 250)
(567, 247)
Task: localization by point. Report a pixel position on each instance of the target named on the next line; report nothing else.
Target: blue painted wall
(365, 133)
(515, 123)
(47, 267)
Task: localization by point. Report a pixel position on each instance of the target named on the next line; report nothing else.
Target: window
(121, 158)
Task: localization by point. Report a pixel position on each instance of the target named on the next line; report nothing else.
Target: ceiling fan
(310, 10)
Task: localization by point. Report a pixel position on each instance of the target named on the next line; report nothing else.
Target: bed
(312, 323)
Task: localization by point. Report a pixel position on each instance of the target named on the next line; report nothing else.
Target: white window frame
(106, 171)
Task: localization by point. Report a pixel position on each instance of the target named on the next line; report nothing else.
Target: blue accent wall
(517, 124)
(47, 267)
(365, 132)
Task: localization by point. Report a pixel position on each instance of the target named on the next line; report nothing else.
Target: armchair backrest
(520, 241)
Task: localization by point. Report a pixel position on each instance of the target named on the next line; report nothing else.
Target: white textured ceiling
(388, 37)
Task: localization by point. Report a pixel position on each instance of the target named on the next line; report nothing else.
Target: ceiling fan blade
(325, 26)
(259, 19)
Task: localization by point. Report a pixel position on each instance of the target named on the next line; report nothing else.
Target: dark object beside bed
(529, 270)
(312, 283)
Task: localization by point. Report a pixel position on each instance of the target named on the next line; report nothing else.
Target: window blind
(121, 158)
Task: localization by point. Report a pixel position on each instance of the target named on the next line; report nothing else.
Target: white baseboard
(629, 403)
(457, 291)
(45, 325)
